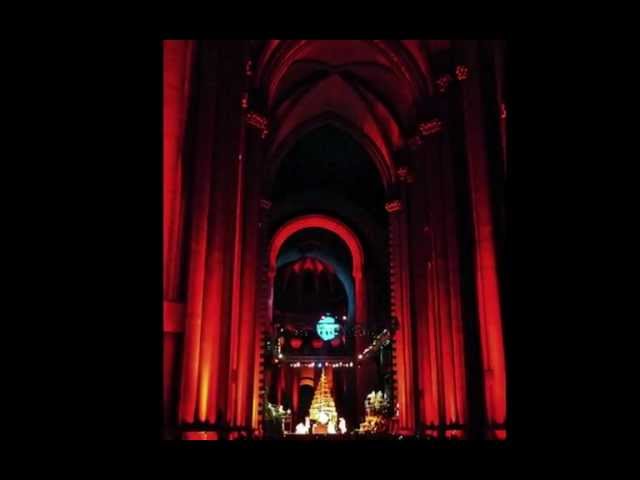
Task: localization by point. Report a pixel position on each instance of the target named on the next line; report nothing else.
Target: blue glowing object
(327, 328)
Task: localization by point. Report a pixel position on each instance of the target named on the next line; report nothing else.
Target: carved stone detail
(393, 206)
(405, 175)
(462, 72)
(266, 204)
(443, 82)
(430, 127)
(258, 121)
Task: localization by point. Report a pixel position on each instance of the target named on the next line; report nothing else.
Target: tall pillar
(246, 264)
(257, 307)
(264, 303)
(443, 282)
(178, 56)
(215, 180)
(487, 285)
(361, 340)
(401, 309)
(437, 286)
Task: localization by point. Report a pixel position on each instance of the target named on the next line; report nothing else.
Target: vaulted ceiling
(374, 87)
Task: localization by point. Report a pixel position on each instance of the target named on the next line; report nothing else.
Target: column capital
(405, 174)
(430, 127)
(462, 72)
(443, 82)
(426, 128)
(393, 206)
(258, 121)
(264, 203)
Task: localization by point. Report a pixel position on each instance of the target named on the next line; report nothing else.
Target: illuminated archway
(327, 223)
(318, 221)
(348, 236)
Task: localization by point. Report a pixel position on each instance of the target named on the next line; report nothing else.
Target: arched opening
(318, 315)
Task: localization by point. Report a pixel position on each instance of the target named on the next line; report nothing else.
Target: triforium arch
(335, 226)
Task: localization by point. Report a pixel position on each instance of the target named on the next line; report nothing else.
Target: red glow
(217, 297)
(178, 57)
(200, 436)
(487, 289)
(318, 221)
(500, 434)
(457, 434)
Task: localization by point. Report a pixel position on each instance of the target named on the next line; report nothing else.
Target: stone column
(246, 263)
(401, 308)
(214, 190)
(487, 284)
(178, 58)
(263, 311)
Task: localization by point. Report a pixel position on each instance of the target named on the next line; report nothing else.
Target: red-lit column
(215, 181)
(177, 77)
(401, 309)
(177, 68)
(361, 342)
(263, 308)
(199, 208)
(246, 293)
(443, 282)
(436, 274)
(487, 287)
(246, 266)
(426, 361)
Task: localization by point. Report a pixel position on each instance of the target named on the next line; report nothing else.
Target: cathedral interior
(334, 259)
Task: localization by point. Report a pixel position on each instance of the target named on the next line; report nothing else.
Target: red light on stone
(462, 72)
(317, 343)
(458, 434)
(200, 436)
(500, 434)
(295, 343)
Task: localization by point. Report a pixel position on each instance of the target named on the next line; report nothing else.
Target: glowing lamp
(335, 342)
(317, 343)
(327, 327)
(295, 343)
